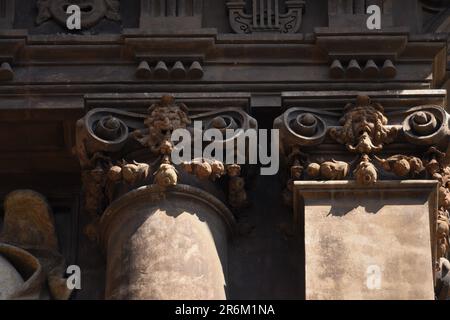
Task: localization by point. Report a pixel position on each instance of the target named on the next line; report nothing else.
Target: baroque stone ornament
(92, 11)
(365, 172)
(205, 168)
(163, 118)
(107, 140)
(426, 125)
(30, 249)
(402, 166)
(438, 167)
(266, 16)
(329, 170)
(364, 128)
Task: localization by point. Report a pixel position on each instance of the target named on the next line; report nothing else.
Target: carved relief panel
(265, 16)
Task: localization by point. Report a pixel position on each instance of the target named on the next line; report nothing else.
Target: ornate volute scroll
(92, 11)
(109, 140)
(266, 16)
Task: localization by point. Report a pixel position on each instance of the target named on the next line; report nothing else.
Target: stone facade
(86, 118)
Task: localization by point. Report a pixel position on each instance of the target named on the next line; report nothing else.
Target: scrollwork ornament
(426, 125)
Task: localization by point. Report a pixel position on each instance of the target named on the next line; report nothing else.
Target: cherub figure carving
(364, 128)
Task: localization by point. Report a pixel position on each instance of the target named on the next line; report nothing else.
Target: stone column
(166, 245)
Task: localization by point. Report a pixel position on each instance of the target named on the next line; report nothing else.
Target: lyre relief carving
(266, 16)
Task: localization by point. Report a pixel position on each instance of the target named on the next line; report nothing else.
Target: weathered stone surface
(29, 220)
(10, 279)
(351, 230)
(26, 270)
(29, 224)
(170, 245)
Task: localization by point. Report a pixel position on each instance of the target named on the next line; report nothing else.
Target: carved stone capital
(120, 151)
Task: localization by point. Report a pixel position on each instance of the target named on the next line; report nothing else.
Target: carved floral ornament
(364, 130)
(92, 11)
(110, 141)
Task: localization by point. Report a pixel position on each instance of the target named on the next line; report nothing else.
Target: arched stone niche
(166, 245)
